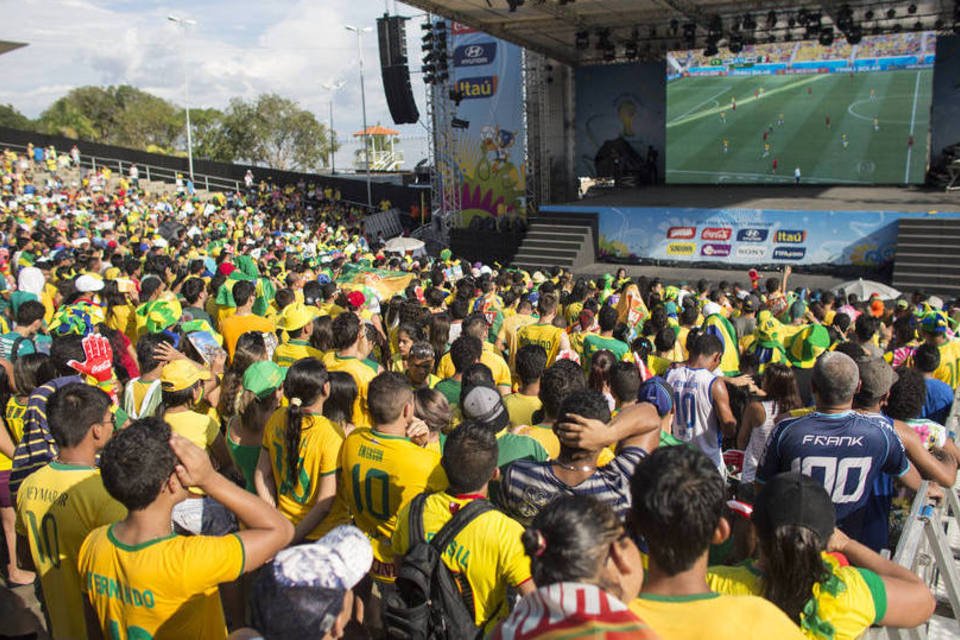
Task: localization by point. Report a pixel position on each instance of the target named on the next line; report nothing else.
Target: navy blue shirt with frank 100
(846, 452)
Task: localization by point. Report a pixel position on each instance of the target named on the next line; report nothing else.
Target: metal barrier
(147, 171)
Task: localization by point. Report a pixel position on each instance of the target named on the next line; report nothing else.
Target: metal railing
(147, 172)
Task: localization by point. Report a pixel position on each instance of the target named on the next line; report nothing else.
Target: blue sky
(237, 48)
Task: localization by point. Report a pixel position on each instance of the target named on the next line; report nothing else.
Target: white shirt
(695, 417)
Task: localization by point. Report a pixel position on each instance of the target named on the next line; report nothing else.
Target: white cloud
(240, 48)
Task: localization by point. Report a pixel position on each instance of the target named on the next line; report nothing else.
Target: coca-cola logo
(716, 233)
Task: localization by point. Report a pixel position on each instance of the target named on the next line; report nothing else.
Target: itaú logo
(480, 87)
(791, 236)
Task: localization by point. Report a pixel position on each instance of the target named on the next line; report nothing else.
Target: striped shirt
(528, 486)
(37, 447)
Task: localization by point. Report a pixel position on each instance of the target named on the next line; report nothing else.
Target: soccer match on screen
(824, 113)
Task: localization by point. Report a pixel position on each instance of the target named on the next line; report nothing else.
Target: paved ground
(20, 613)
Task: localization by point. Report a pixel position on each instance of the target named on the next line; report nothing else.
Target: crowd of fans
(235, 414)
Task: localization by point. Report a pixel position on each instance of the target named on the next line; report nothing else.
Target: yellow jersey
(489, 356)
(730, 617)
(508, 332)
(164, 588)
(331, 309)
(198, 428)
(487, 553)
(320, 443)
(379, 474)
(57, 506)
(850, 604)
(545, 335)
(551, 443)
(362, 372)
(13, 415)
(293, 350)
(949, 363)
(521, 407)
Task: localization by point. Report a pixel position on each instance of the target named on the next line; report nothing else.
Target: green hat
(263, 378)
(935, 322)
(807, 345)
(160, 314)
(445, 254)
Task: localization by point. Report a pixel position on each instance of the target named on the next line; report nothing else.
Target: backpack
(428, 603)
(16, 347)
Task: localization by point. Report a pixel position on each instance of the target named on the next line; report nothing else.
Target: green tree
(122, 115)
(10, 117)
(209, 137)
(276, 132)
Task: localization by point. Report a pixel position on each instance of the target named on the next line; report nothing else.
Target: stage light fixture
(912, 9)
(891, 14)
(788, 37)
(690, 34)
(582, 40)
(736, 43)
(771, 19)
(771, 38)
(792, 22)
(674, 26)
(826, 36)
(897, 28)
(458, 123)
(749, 23)
(938, 24)
(918, 25)
(877, 30)
(855, 34)
(802, 17)
(632, 48)
(513, 4)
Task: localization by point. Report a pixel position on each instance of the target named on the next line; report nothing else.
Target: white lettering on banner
(835, 475)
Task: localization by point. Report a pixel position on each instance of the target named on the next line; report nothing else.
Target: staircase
(927, 256)
(558, 239)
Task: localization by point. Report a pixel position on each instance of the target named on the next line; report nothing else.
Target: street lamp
(363, 105)
(333, 87)
(185, 23)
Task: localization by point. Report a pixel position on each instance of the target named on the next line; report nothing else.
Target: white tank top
(695, 419)
(758, 443)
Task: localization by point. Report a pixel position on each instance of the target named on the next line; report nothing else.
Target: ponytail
(793, 565)
(303, 386)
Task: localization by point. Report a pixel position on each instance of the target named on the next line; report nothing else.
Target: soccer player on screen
(726, 146)
(873, 95)
(733, 104)
(723, 117)
(780, 120)
(773, 167)
(844, 141)
(766, 150)
(876, 123)
(828, 121)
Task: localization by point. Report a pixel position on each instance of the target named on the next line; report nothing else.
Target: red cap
(356, 299)
(753, 274)
(226, 268)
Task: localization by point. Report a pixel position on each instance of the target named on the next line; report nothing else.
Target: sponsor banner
(458, 28)
(489, 153)
(681, 233)
(473, 55)
(752, 234)
(681, 248)
(792, 236)
(789, 253)
(716, 233)
(751, 253)
(478, 87)
(748, 237)
(712, 250)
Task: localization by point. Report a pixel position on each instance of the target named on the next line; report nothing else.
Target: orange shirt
(235, 326)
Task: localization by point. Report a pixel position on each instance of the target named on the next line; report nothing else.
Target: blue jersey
(847, 452)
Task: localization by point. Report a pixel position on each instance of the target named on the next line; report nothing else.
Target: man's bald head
(836, 378)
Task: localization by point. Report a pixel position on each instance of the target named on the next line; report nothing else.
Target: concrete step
(547, 253)
(536, 243)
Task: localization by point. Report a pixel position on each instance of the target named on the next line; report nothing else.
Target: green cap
(263, 378)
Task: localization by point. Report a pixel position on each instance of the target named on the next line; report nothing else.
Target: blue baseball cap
(657, 392)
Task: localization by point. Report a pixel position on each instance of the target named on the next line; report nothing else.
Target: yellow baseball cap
(296, 315)
(182, 374)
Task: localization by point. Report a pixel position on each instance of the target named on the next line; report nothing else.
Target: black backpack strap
(456, 524)
(415, 519)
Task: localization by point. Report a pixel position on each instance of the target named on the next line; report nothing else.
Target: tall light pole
(333, 87)
(184, 24)
(363, 105)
